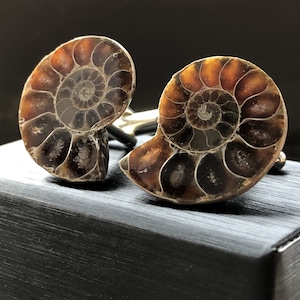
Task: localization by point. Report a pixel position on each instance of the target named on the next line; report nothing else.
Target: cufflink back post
(135, 123)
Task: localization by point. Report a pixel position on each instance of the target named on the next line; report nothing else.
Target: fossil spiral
(222, 124)
(68, 101)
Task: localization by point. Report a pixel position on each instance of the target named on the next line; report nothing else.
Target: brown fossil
(68, 101)
(222, 124)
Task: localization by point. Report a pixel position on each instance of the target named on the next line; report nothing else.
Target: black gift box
(111, 240)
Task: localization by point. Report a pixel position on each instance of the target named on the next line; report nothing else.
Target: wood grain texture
(287, 270)
(112, 241)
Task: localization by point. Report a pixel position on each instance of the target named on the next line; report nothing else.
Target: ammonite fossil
(222, 124)
(68, 101)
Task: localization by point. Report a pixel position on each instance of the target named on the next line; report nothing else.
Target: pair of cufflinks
(221, 122)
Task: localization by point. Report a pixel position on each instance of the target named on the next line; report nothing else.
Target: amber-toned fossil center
(86, 87)
(80, 92)
(206, 109)
(83, 87)
(84, 91)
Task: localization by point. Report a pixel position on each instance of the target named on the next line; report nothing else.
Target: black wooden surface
(111, 240)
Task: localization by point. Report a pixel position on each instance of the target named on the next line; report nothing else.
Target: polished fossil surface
(222, 124)
(68, 101)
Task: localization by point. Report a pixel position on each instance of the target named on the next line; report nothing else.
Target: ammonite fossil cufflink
(222, 125)
(69, 101)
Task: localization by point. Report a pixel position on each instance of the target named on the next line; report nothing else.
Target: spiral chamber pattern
(222, 124)
(68, 101)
